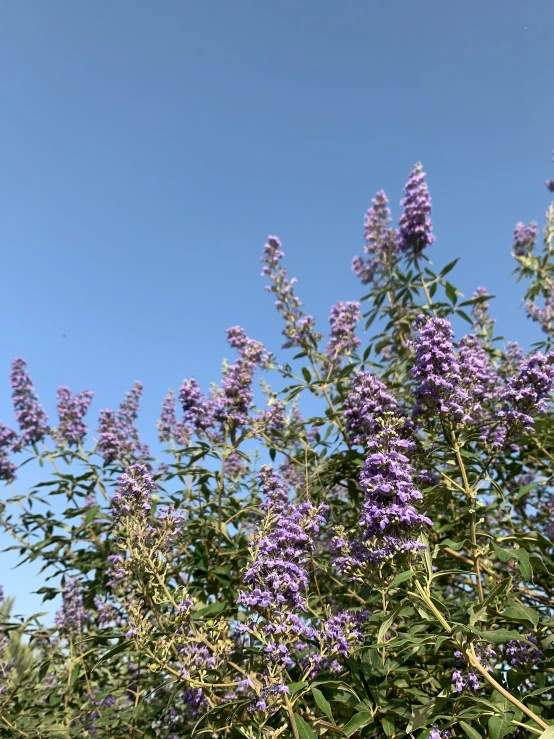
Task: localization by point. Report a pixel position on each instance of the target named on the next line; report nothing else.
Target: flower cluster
(525, 238)
(227, 407)
(465, 679)
(118, 435)
(543, 316)
(415, 227)
(29, 414)
(342, 340)
(389, 522)
(521, 656)
(299, 328)
(71, 411)
(169, 427)
(72, 616)
(454, 385)
(8, 439)
(366, 402)
(276, 577)
(381, 243)
(526, 394)
(134, 493)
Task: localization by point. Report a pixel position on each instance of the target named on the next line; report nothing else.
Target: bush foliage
(382, 568)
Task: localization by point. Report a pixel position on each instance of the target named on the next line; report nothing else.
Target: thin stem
(470, 497)
(496, 685)
(288, 706)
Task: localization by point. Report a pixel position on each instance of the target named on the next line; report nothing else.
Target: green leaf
(448, 268)
(387, 623)
(91, 514)
(522, 556)
(421, 714)
(477, 611)
(295, 687)
(388, 726)
(522, 614)
(358, 721)
(470, 731)
(323, 704)
(306, 374)
(304, 730)
(500, 636)
(400, 578)
(121, 647)
(499, 727)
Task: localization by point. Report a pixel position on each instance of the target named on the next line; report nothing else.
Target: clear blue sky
(149, 148)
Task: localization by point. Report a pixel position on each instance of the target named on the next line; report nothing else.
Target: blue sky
(148, 149)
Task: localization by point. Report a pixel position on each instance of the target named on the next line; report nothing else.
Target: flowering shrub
(382, 569)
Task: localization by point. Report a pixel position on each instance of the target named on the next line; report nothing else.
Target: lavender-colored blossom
(118, 436)
(437, 372)
(514, 356)
(525, 238)
(72, 616)
(71, 411)
(527, 393)
(389, 520)
(482, 320)
(367, 400)
(8, 439)
(342, 340)
(197, 409)
(465, 679)
(381, 243)
(30, 415)
(169, 427)
(249, 349)
(342, 633)
(415, 227)
(522, 656)
(270, 421)
(543, 316)
(299, 327)
(276, 577)
(133, 496)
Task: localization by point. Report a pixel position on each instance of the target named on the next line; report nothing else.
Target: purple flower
(437, 372)
(525, 238)
(527, 393)
(118, 435)
(543, 316)
(8, 439)
(522, 656)
(250, 350)
(197, 409)
(29, 414)
(415, 227)
(381, 243)
(71, 411)
(367, 400)
(72, 616)
(342, 633)
(169, 428)
(134, 493)
(343, 341)
(299, 327)
(389, 520)
(276, 578)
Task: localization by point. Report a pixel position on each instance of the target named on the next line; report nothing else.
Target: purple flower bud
(415, 227)
(29, 414)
